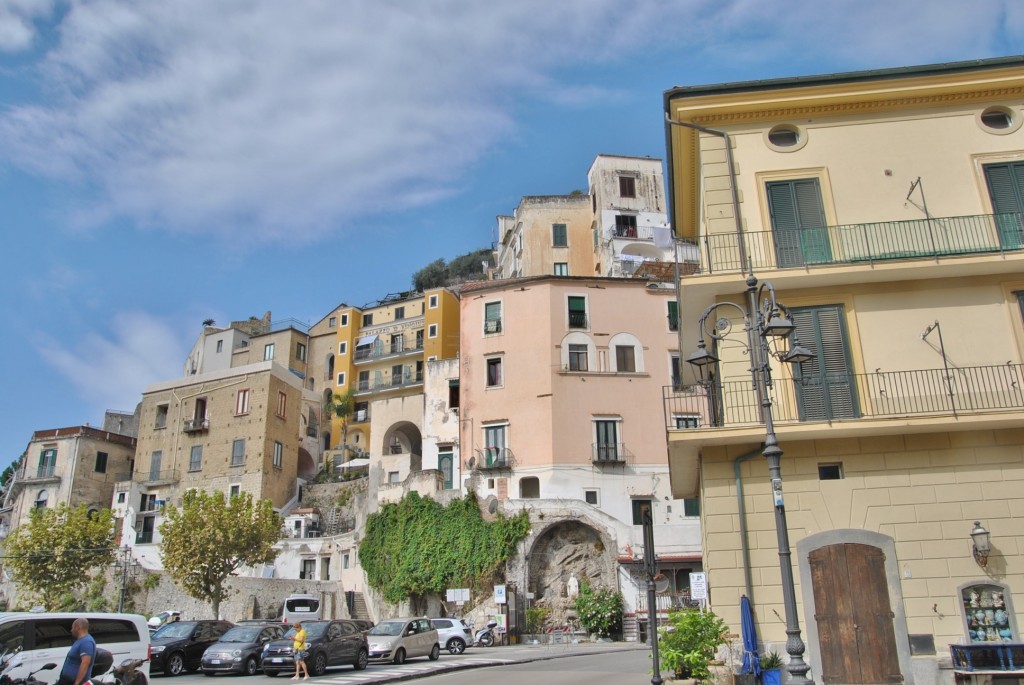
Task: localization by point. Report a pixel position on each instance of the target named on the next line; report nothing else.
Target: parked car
(331, 643)
(364, 623)
(28, 641)
(399, 639)
(452, 634)
(240, 650)
(163, 618)
(301, 608)
(179, 646)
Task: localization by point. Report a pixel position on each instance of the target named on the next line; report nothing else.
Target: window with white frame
(268, 352)
(592, 497)
(607, 438)
(686, 421)
(343, 347)
(332, 322)
(341, 378)
(195, 461)
(282, 404)
(234, 490)
(278, 454)
(220, 346)
(495, 377)
(242, 402)
(433, 301)
(344, 319)
(495, 442)
(238, 452)
(300, 351)
(578, 358)
(626, 353)
(577, 311)
(561, 268)
(432, 330)
(492, 317)
(578, 353)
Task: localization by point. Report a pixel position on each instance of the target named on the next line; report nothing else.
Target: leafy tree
(416, 546)
(211, 537)
(433, 275)
(52, 554)
(341, 406)
(463, 268)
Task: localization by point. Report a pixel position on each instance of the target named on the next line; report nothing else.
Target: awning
(366, 340)
(352, 463)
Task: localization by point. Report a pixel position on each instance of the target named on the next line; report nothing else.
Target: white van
(30, 640)
(301, 608)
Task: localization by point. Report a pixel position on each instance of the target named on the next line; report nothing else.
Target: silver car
(398, 639)
(452, 634)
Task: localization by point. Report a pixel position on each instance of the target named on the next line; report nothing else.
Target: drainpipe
(744, 543)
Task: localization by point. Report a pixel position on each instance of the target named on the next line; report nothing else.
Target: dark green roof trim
(843, 77)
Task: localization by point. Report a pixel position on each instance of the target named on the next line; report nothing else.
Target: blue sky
(166, 162)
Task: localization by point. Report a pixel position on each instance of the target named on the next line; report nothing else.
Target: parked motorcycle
(30, 679)
(127, 673)
(485, 636)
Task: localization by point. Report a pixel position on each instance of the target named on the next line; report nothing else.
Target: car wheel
(360, 663)
(435, 652)
(175, 664)
(251, 666)
(399, 657)
(319, 664)
(456, 646)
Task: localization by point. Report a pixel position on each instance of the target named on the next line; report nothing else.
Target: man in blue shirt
(78, 664)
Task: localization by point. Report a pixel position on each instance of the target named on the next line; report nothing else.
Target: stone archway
(566, 550)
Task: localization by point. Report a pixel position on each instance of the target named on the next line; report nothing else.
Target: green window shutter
(673, 316)
(691, 507)
(825, 388)
(798, 222)
(1006, 189)
(559, 237)
(578, 304)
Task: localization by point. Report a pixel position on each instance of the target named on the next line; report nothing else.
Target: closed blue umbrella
(751, 660)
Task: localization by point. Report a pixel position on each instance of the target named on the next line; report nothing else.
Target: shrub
(690, 641)
(600, 610)
(536, 617)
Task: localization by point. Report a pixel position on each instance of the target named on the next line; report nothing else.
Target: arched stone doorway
(404, 438)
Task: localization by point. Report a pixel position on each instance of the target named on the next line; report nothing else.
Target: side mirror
(48, 667)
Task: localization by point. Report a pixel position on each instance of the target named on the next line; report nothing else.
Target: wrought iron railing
(165, 476)
(609, 453)
(196, 425)
(371, 352)
(493, 458)
(864, 243)
(838, 397)
(577, 319)
(390, 383)
(39, 472)
(633, 232)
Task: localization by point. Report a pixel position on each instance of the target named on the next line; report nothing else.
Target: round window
(999, 120)
(785, 138)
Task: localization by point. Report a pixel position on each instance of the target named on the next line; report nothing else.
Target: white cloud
(288, 120)
(17, 31)
(110, 371)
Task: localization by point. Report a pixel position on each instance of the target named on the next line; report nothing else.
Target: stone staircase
(359, 606)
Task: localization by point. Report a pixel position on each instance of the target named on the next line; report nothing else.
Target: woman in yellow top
(299, 649)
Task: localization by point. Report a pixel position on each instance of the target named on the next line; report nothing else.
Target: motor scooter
(485, 636)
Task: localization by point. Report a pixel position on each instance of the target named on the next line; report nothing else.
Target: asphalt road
(588, 663)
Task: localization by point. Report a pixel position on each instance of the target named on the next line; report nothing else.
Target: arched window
(41, 498)
(329, 366)
(625, 354)
(578, 353)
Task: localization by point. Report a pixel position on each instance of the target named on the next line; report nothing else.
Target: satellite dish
(661, 582)
(492, 504)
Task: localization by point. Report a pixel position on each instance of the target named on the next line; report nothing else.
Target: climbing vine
(417, 546)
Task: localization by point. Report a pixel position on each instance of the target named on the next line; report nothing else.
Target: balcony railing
(196, 425)
(38, 472)
(371, 352)
(492, 326)
(493, 458)
(610, 453)
(864, 243)
(405, 380)
(577, 319)
(156, 477)
(633, 232)
(839, 397)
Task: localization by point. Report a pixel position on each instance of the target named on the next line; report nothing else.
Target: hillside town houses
(607, 369)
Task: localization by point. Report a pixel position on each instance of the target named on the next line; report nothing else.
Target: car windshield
(241, 634)
(175, 630)
(387, 628)
(313, 629)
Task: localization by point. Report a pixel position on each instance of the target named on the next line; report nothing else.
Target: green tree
(51, 555)
(211, 537)
(341, 406)
(433, 275)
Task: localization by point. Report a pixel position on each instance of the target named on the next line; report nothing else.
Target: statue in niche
(572, 587)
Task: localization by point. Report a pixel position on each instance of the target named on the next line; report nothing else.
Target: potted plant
(689, 642)
(771, 669)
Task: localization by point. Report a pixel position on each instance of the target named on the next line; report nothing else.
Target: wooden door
(856, 633)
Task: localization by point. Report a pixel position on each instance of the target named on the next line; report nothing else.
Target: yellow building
(379, 354)
(887, 210)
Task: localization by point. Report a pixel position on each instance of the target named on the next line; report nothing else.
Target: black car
(240, 650)
(179, 646)
(331, 643)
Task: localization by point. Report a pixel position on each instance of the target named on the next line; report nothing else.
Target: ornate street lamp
(764, 319)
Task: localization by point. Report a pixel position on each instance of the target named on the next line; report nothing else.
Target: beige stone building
(71, 466)
(886, 209)
(560, 414)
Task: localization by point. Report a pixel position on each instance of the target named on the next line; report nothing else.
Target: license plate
(277, 661)
(214, 661)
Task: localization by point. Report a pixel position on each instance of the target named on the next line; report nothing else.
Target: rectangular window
(364, 381)
(432, 330)
(278, 454)
(195, 461)
(674, 370)
(606, 445)
(691, 507)
(300, 351)
(345, 560)
(625, 226)
(332, 322)
(627, 186)
(367, 319)
(234, 491)
(798, 222)
(101, 462)
(282, 404)
(640, 507)
(161, 416)
(433, 301)
(494, 445)
(625, 359)
(578, 358)
(397, 343)
(673, 316)
(154, 464)
(830, 471)
(268, 352)
(47, 463)
(561, 268)
(341, 378)
(492, 317)
(494, 376)
(453, 394)
(685, 421)
(396, 375)
(559, 237)
(577, 311)
(238, 452)
(393, 477)
(220, 346)
(399, 313)
(344, 319)
(591, 498)
(122, 497)
(242, 402)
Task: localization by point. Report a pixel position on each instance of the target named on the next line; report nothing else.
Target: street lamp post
(651, 569)
(765, 319)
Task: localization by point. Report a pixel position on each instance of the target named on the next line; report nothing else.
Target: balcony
(610, 453)
(864, 243)
(492, 458)
(577, 319)
(406, 380)
(166, 477)
(37, 474)
(369, 353)
(196, 425)
(632, 232)
(492, 326)
(958, 392)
